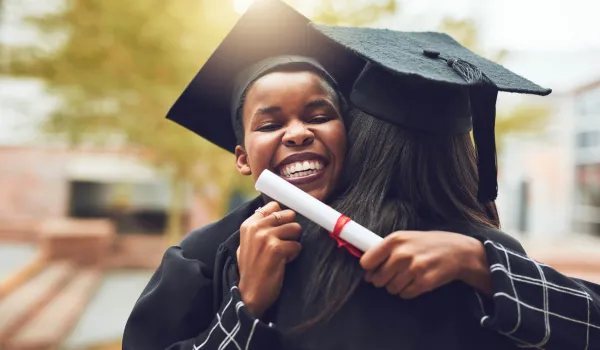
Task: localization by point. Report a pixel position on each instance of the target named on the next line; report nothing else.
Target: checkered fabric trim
(229, 330)
(539, 307)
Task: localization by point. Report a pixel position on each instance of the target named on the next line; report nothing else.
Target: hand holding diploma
(407, 263)
(268, 241)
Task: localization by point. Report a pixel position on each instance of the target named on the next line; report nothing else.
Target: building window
(135, 208)
(588, 102)
(588, 139)
(588, 184)
(588, 198)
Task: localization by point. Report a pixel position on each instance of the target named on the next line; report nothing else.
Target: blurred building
(587, 158)
(80, 230)
(38, 183)
(40, 179)
(550, 180)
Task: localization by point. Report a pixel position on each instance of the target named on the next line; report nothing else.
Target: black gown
(192, 302)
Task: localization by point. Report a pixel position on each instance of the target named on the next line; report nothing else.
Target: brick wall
(85, 242)
(32, 184)
(32, 189)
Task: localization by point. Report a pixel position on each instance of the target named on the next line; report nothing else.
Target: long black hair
(393, 179)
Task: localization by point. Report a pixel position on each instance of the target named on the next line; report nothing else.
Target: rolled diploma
(314, 210)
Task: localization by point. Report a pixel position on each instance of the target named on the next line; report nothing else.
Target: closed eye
(320, 119)
(268, 127)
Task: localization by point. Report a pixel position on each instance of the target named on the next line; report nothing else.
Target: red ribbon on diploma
(337, 230)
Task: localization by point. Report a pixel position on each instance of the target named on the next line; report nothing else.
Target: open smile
(302, 168)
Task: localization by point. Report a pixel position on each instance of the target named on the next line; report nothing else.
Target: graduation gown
(192, 302)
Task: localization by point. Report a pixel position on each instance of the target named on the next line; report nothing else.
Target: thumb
(237, 253)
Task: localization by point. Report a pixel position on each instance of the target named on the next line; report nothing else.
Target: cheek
(335, 139)
(261, 149)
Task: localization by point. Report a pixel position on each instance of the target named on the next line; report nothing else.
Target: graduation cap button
(431, 53)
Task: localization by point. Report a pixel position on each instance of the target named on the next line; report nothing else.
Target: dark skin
(410, 263)
(285, 113)
(267, 244)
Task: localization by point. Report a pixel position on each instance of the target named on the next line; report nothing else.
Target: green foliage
(117, 67)
(465, 32)
(352, 12)
(522, 119)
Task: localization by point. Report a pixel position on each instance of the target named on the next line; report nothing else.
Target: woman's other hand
(268, 241)
(410, 263)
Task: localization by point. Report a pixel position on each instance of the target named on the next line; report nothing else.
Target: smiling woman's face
(293, 126)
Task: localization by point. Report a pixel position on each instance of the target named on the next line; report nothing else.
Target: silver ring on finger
(261, 211)
(277, 216)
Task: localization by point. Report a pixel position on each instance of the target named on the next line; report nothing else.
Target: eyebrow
(318, 103)
(267, 110)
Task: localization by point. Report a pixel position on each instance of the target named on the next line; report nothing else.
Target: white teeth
(303, 168)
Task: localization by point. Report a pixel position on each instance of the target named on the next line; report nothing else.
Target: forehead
(280, 86)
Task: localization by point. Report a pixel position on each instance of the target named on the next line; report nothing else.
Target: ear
(241, 161)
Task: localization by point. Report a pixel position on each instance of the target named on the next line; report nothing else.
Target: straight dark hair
(393, 179)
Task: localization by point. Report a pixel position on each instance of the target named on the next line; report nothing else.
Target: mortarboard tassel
(483, 106)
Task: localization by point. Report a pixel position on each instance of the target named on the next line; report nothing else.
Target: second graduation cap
(428, 81)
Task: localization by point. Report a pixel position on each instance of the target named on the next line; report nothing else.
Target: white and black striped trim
(537, 306)
(233, 328)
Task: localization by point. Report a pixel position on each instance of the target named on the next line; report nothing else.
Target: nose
(297, 134)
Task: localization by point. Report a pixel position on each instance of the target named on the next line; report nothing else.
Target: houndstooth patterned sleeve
(537, 306)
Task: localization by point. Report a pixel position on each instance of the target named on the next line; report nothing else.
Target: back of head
(397, 178)
(394, 179)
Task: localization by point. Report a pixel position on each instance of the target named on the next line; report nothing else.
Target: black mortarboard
(428, 81)
(270, 34)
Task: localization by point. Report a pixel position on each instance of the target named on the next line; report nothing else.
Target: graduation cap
(268, 36)
(428, 81)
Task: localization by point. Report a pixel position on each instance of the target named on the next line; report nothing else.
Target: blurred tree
(118, 66)
(350, 12)
(523, 118)
(465, 31)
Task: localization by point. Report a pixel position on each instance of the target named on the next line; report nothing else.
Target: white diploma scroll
(314, 210)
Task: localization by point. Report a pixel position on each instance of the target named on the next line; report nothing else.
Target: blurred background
(95, 183)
